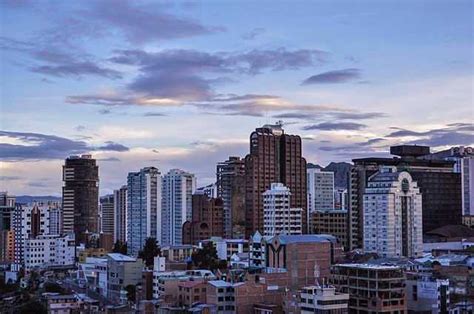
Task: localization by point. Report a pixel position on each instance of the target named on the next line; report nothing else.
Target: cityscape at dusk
(238, 156)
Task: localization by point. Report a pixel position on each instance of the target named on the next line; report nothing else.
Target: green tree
(131, 292)
(120, 247)
(150, 250)
(206, 258)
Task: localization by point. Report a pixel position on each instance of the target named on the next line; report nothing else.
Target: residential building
(207, 219)
(107, 214)
(371, 288)
(341, 199)
(122, 271)
(257, 244)
(7, 200)
(392, 206)
(439, 186)
(55, 218)
(143, 208)
(231, 189)
(227, 247)
(221, 293)
(320, 189)
(7, 236)
(427, 294)
(120, 215)
(190, 292)
(177, 191)
(80, 196)
(274, 157)
(209, 190)
(330, 222)
(45, 251)
(279, 217)
(178, 253)
(323, 299)
(306, 258)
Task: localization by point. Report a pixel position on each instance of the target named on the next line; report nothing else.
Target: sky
(182, 84)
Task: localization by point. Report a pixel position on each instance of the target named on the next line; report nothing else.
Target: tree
(131, 292)
(53, 287)
(206, 258)
(120, 247)
(34, 307)
(150, 250)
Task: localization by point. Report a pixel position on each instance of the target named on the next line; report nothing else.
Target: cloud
(154, 114)
(335, 126)
(253, 33)
(109, 159)
(22, 145)
(331, 77)
(77, 70)
(10, 178)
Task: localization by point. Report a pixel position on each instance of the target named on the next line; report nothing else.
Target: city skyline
(350, 80)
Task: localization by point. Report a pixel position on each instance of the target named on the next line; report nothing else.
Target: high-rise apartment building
(231, 189)
(439, 186)
(143, 208)
(278, 216)
(341, 199)
(330, 222)
(177, 191)
(207, 219)
(463, 158)
(80, 196)
(7, 200)
(320, 189)
(120, 214)
(393, 215)
(274, 157)
(7, 208)
(107, 214)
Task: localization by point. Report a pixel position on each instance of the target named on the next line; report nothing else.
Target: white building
(143, 208)
(320, 189)
(393, 215)
(177, 191)
(227, 247)
(93, 274)
(427, 294)
(257, 245)
(49, 250)
(323, 299)
(278, 216)
(120, 214)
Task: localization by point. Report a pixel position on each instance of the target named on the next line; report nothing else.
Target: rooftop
(368, 266)
(121, 258)
(306, 238)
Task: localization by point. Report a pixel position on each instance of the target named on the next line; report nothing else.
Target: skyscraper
(177, 191)
(80, 196)
(120, 214)
(107, 214)
(143, 208)
(231, 189)
(440, 188)
(275, 157)
(320, 189)
(393, 215)
(279, 217)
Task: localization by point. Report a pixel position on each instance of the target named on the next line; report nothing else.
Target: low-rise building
(49, 250)
(257, 245)
(323, 299)
(122, 271)
(178, 253)
(427, 294)
(372, 288)
(227, 247)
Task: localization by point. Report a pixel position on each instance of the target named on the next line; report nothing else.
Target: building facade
(207, 219)
(320, 189)
(393, 215)
(143, 208)
(49, 250)
(107, 214)
(120, 214)
(323, 299)
(330, 222)
(80, 196)
(279, 217)
(231, 189)
(274, 157)
(122, 270)
(177, 191)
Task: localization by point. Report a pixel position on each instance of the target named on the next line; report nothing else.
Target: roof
(452, 231)
(306, 238)
(190, 283)
(220, 283)
(368, 266)
(121, 258)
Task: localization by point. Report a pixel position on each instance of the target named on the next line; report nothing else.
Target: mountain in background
(25, 199)
(341, 173)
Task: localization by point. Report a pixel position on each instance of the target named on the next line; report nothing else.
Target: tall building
(439, 186)
(274, 157)
(80, 196)
(340, 199)
(143, 208)
(120, 214)
(210, 190)
(231, 189)
(320, 189)
(463, 158)
(278, 216)
(55, 218)
(7, 200)
(177, 191)
(393, 215)
(107, 218)
(7, 208)
(207, 219)
(330, 222)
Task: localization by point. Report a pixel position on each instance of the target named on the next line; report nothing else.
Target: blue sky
(182, 84)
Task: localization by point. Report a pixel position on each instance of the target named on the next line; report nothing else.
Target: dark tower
(274, 157)
(80, 196)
